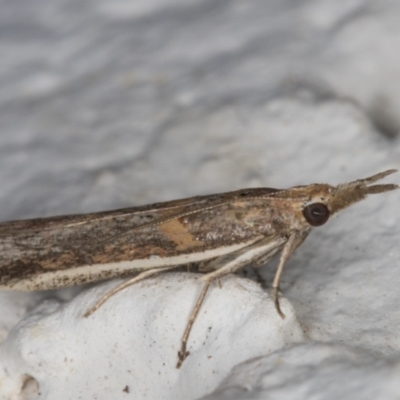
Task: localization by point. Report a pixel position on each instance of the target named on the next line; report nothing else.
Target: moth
(218, 233)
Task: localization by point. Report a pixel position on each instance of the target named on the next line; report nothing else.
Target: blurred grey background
(109, 104)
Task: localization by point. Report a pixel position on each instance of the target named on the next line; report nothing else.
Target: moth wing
(133, 217)
(31, 247)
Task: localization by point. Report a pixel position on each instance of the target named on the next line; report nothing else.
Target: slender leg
(138, 278)
(182, 353)
(232, 262)
(294, 241)
(225, 265)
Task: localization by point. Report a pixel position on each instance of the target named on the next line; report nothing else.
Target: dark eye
(316, 214)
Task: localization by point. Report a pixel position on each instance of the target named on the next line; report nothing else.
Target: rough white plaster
(128, 348)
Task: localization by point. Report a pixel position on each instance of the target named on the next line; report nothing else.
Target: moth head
(324, 201)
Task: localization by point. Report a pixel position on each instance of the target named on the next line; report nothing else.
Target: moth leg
(225, 265)
(294, 241)
(258, 262)
(137, 278)
(183, 353)
(230, 263)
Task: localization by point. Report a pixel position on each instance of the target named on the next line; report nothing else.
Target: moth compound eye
(316, 214)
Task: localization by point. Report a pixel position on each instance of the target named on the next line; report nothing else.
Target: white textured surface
(133, 339)
(312, 371)
(111, 104)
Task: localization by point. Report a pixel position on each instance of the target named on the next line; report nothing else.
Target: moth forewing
(221, 233)
(55, 252)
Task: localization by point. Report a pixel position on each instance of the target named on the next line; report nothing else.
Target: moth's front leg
(295, 239)
(225, 265)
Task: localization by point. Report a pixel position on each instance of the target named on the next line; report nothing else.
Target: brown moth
(219, 233)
